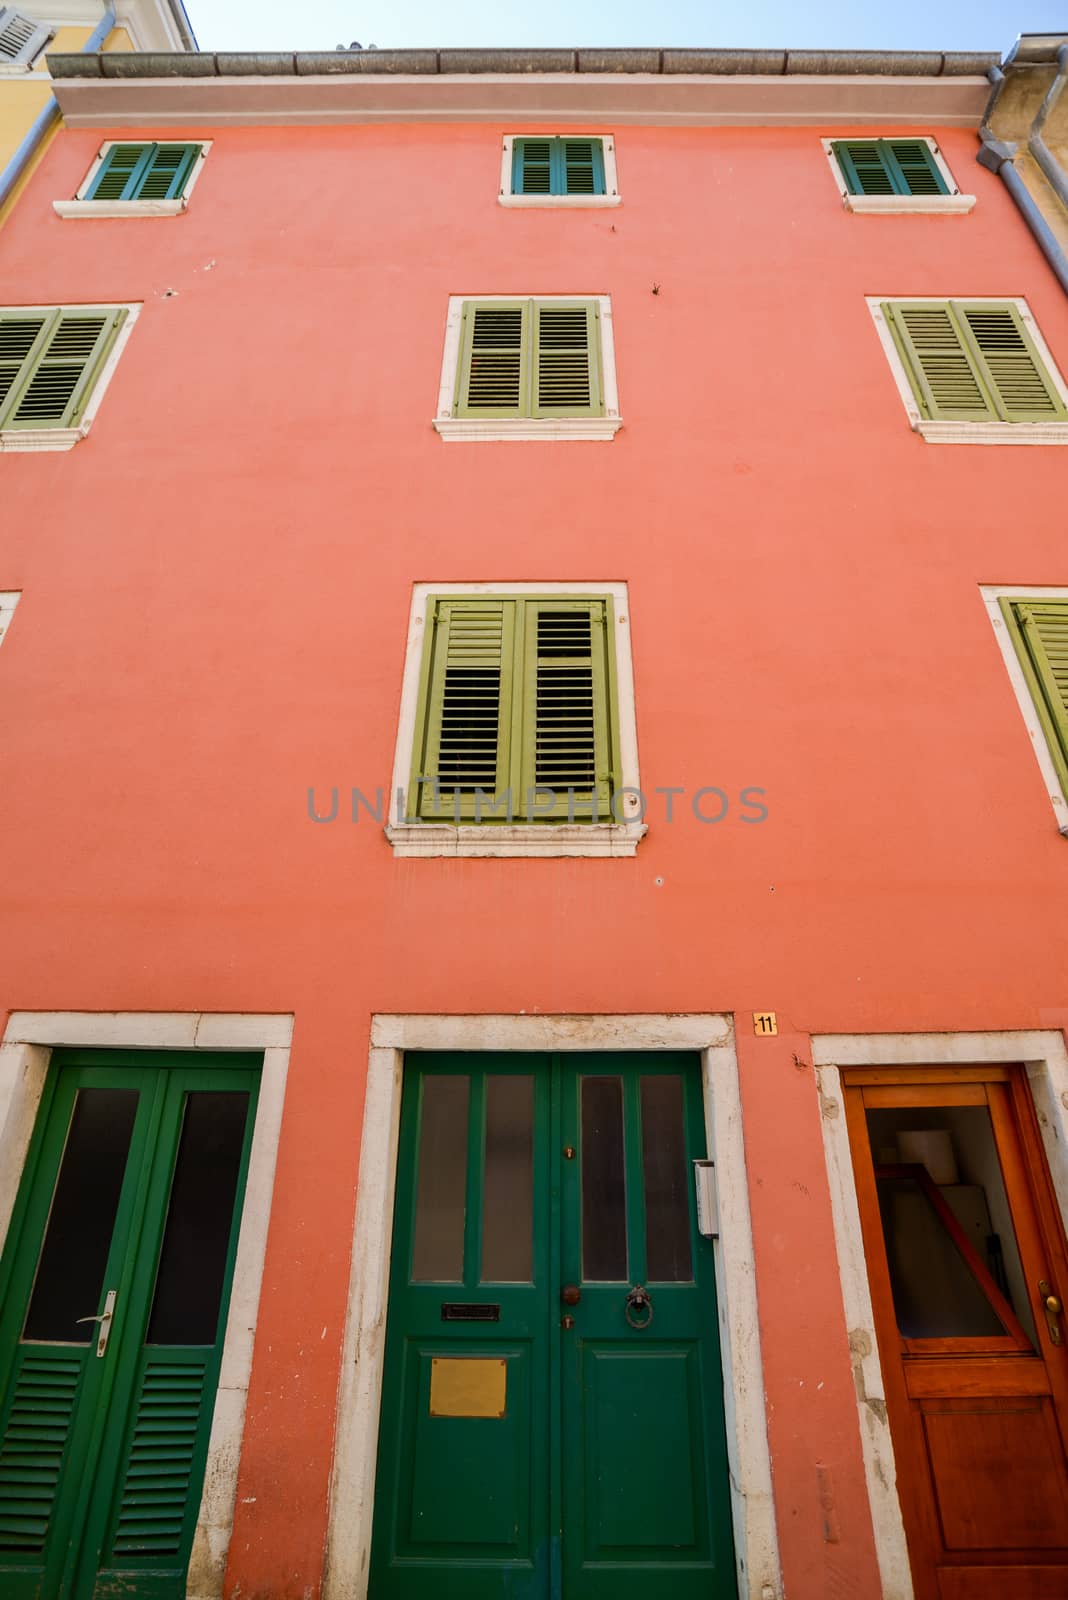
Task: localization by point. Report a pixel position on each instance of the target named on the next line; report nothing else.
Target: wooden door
(968, 1270)
(115, 1288)
(552, 1409)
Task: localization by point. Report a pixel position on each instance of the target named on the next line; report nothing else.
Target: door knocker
(638, 1308)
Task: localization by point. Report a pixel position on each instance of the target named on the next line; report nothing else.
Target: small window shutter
(531, 166)
(863, 166)
(23, 336)
(567, 359)
(567, 739)
(465, 710)
(168, 172)
(945, 379)
(1012, 368)
(21, 39)
(583, 164)
(120, 172)
(492, 374)
(1041, 633)
(914, 167)
(55, 380)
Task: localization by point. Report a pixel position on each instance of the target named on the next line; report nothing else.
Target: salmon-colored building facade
(837, 903)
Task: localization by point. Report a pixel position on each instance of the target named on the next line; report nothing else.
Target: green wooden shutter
(583, 166)
(568, 740)
(465, 712)
(144, 172)
(567, 359)
(120, 171)
(492, 374)
(531, 166)
(1040, 634)
(166, 1446)
(1012, 367)
(914, 167)
(33, 1447)
(50, 387)
(945, 379)
(863, 166)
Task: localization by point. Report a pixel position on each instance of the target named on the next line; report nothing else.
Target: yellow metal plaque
(765, 1022)
(468, 1386)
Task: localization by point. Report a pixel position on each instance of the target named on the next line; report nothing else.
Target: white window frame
(452, 427)
(36, 439)
(24, 63)
(992, 594)
(952, 204)
(79, 207)
(568, 202)
(413, 838)
(943, 432)
(9, 599)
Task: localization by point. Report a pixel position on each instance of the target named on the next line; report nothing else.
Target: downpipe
(998, 156)
(47, 115)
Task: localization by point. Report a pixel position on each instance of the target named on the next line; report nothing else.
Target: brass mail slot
(468, 1386)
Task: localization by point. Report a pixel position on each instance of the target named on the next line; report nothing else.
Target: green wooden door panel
(606, 1466)
(102, 1456)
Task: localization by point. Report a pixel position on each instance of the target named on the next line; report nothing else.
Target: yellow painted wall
(23, 94)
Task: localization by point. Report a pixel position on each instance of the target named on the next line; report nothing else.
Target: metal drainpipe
(48, 114)
(997, 156)
(1035, 142)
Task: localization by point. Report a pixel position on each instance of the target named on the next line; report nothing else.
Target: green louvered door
(552, 1410)
(115, 1284)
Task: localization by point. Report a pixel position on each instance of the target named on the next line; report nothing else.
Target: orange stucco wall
(216, 586)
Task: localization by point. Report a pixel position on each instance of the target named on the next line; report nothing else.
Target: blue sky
(823, 24)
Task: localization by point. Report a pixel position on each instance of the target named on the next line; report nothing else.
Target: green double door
(552, 1411)
(115, 1284)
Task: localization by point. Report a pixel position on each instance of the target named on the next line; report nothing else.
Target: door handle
(104, 1319)
(570, 1294)
(1051, 1305)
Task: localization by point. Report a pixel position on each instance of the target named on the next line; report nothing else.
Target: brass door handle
(1052, 1306)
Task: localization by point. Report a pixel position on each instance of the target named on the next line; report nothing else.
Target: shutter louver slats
(468, 704)
(564, 739)
(144, 172)
(917, 166)
(159, 1474)
(943, 373)
(49, 395)
(167, 172)
(564, 367)
(33, 1449)
(1015, 372)
(116, 172)
(21, 39)
(535, 159)
(494, 376)
(579, 168)
(17, 338)
(64, 351)
(862, 164)
(558, 166)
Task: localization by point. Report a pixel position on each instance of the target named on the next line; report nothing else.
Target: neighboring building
(535, 653)
(30, 31)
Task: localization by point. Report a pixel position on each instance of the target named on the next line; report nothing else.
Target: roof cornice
(666, 87)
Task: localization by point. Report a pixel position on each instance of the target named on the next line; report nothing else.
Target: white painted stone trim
(9, 599)
(970, 432)
(352, 1495)
(149, 23)
(1046, 1060)
(681, 100)
(24, 1055)
(992, 593)
(566, 202)
(517, 839)
(952, 204)
(451, 427)
(80, 207)
(37, 439)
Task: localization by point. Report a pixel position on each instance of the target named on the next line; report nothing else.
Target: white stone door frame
(352, 1495)
(25, 1052)
(1045, 1058)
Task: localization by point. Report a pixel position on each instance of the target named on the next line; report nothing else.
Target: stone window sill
(993, 432)
(468, 428)
(73, 209)
(946, 205)
(568, 202)
(580, 839)
(25, 439)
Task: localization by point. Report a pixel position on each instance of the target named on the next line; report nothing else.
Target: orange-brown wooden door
(968, 1273)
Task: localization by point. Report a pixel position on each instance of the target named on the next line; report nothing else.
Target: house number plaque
(468, 1386)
